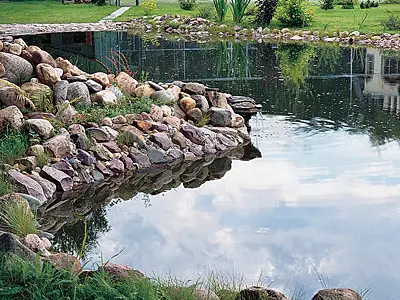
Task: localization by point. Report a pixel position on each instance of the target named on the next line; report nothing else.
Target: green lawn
(51, 11)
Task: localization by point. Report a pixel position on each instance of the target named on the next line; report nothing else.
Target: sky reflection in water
(326, 199)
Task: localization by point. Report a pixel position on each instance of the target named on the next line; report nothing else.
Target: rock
(18, 70)
(28, 163)
(219, 116)
(21, 42)
(85, 158)
(144, 90)
(33, 242)
(194, 88)
(121, 271)
(76, 129)
(155, 86)
(143, 125)
(160, 127)
(195, 114)
(201, 102)
(333, 294)
(26, 185)
(81, 141)
(101, 152)
(35, 150)
(32, 88)
(66, 261)
(237, 121)
(128, 162)
(11, 116)
(174, 91)
(187, 103)
(48, 187)
(120, 119)
(41, 56)
(99, 134)
(161, 139)
(102, 168)
(66, 112)
(14, 198)
(179, 139)
(46, 242)
(162, 96)
(97, 176)
(116, 91)
(93, 86)
(67, 67)
(126, 83)
(79, 92)
(65, 167)
(58, 146)
(139, 157)
(60, 91)
(47, 74)
(116, 166)
(173, 121)
(27, 56)
(9, 243)
(193, 134)
(15, 49)
(60, 179)
(107, 122)
(101, 78)
(202, 294)
(167, 111)
(42, 127)
(354, 33)
(9, 96)
(217, 99)
(257, 292)
(156, 113)
(79, 78)
(104, 98)
(226, 141)
(133, 135)
(112, 132)
(112, 146)
(157, 156)
(2, 70)
(82, 172)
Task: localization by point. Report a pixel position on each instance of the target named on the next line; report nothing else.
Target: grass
(21, 279)
(17, 218)
(13, 145)
(51, 11)
(5, 186)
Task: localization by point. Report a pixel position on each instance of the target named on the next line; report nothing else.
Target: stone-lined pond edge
(198, 29)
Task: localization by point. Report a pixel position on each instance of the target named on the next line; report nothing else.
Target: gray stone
(179, 139)
(65, 167)
(155, 86)
(220, 116)
(48, 187)
(257, 292)
(93, 86)
(139, 157)
(116, 166)
(334, 294)
(227, 141)
(11, 116)
(156, 113)
(195, 114)
(85, 158)
(101, 152)
(82, 172)
(60, 92)
(40, 126)
(97, 175)
(157, 156)
(10, 243)
(161, 139)
(217, 99)
(79, 92)
(160, 127)
(193, 134)
(26, 185)
(60, 179)
(58, 146)
(201, 102)
(163, 96)
(193, 88)
(99, 134)
(18, 70)
(81, 141)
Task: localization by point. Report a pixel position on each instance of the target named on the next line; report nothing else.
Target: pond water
(323, 198)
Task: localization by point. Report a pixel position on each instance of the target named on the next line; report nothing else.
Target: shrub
(266, 10)
(391, 22)
(204, 12)
(187, 4)
(99, 2)
(148, 6)
(369, 4)
(17, 217)
(348, 4)
(294, 12)
(238, 8)
(221, 7)
(327, 4)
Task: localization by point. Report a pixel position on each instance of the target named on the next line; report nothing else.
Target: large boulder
(18, 70)
(23, 184)
(194, 88)
(93, 86)
(217, 99)
(58, 146)
(104, 98)
(78, 92)
(11, 116)
(260, 293)
(201, 103)
(161, 139)
(66, 261)
(334, 294)
(41, 56)
(163, 96)
(67, 67)
(101, 78)
(47, 74)
(32, 88)
(144, 90)
(187, 103)
(40, 126)
(10, 96)
(220, 116)
(60, 92)
(62, 181)
(2, 70)
(121, 271)
(126, 83)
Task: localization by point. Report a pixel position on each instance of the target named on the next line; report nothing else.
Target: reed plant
(221, 7)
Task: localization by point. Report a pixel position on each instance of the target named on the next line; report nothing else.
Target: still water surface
(324, 195)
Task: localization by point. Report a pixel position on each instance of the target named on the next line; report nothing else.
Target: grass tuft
(13, 145)
(17, 217)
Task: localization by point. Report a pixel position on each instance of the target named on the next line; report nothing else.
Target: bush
(187, 4)
(238, 8)
(221, 7)
(99, 2)
(391, 22)
(327, 4)
(266, 10)
(348, 4)
(205, 13)
(295, 13)
(369, 4)
(148, 6)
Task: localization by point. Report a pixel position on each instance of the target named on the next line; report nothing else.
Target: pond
(319, 207)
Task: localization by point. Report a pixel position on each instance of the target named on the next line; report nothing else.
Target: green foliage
(348, 4)
(42, 159)
(148, 6)
(265, 12)
(221, 7)
(327, 4)
(99, 2)
(204, 120)
(43, 100)
(17, 217)
(187, 4)
(125, 138)
(13, 144)
(238, 8)
(391, 22)
(205, 13)
(295, 13)
(5, 186)
(369, 4)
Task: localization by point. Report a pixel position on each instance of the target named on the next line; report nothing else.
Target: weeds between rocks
(5, 186)
(17, 218)
(13, 144)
